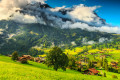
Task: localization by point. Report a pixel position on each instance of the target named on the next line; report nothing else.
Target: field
(10, 70)
(109, 74)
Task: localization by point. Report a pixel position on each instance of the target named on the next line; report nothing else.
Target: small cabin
(91, 71)
(114, 64)
(10, 55)
(103, 56)
(78, 62)
(39, 59)
(22, 58)
(28, 57)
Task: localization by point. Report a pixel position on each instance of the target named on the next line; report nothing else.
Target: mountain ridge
(40, 25)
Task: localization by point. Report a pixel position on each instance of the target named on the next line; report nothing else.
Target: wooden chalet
(39, 59)
(94, 63)
(10, 55)
(22, 59)
(28, 57)
(91, 71)
(103, 56)
(114, 64)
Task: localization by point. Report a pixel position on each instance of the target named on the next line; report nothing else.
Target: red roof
(93, 70)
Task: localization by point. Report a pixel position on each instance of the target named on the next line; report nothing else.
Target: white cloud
(84, 26)
(24, 18)
(85, 41)
(1, 31)
(9, 7)
(101, 40)
(84, 13)
(73, 43)
(91, 42)
(81, 16)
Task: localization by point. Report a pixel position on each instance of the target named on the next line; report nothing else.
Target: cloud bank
(80, 16)
(8, 8)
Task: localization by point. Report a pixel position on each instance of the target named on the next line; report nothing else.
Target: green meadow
(10, 70)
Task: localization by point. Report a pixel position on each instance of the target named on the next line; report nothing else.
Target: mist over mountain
(29, 23)
(37, 11)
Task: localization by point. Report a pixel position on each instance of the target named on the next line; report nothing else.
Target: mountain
(43, 26)
(44, 14)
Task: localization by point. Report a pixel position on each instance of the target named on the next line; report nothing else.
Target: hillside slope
(21, 37)
(10, 70)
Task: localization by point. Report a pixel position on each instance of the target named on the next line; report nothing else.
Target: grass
(10, 70)
(109, 74)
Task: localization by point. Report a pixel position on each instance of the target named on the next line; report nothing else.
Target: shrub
(111, 69)
(72, 64)
(114, 76)
(23, 61)
(104, 75)
(99, 74)
(15, 55)
(119, 71)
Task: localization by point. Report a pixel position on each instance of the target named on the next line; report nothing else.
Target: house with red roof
(91, 71)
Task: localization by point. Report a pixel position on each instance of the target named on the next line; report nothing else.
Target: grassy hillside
(10, 70)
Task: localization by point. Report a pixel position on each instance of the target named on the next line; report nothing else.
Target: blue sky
(110, 9)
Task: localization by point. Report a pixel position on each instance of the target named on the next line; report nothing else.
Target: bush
(23, 61)
(72, 64)
(114, 76)
(119, 71)
(15, 55)
(104, 75)
(111, 69)
(99, 74)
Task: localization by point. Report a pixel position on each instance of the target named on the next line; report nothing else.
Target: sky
(109, 10)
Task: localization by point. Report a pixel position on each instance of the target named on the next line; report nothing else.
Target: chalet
(114, 64)
(42, 60)
(78, 62)
(94, 63)
(91, 71)
(101, 52)
(28, 57)
(39, 59)
(22, 59)
(93, 53)
(84, 60)
(103, 56)
(36, 59)
(10, 55)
